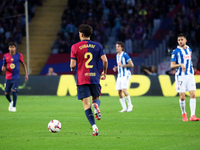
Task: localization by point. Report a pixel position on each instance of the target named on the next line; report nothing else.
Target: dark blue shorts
(11, 84)
(87, 90)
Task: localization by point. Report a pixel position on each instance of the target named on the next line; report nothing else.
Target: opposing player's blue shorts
(87, 90)
(13, 83)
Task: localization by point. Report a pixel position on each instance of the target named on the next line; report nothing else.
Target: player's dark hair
(12, 44)
(181, 35)
(86, 30)
(121, 44)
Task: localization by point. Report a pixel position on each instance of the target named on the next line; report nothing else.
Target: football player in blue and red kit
(11, 64)
(85, 55)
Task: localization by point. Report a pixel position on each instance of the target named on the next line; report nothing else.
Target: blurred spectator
(152, 72)
(1, 29)
(142, 12)
(51, 72)
(139, 33)
(196, 71)
(171, 72)
(128, 40)
(149, 71)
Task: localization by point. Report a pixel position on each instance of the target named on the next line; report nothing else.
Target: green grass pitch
(155, 123)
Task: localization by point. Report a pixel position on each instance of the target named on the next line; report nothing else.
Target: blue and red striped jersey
(87, 54)
(12, 63)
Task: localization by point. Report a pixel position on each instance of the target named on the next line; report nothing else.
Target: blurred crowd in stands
(12, 20)
(131, 21)
(187, 21)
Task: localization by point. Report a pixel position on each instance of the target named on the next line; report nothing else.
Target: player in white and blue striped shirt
(181, 59)
(124, 74)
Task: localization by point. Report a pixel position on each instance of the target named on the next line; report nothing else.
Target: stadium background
(147, 27)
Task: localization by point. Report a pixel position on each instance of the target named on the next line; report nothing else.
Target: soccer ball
(54, 126)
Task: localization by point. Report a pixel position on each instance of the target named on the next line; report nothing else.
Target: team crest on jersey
(12, 66)
(12, 59)
(187, 57)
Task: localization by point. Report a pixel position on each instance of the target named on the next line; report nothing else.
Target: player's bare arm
(73, 64)
(174, 65)
(147, 71)
(105, 66)
(129, 65)
(3, 68)
(25, 70)
(115, 68)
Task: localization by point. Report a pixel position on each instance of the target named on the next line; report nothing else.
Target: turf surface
(154, 123)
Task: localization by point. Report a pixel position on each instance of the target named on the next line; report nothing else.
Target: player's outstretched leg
(14, 101)
(95, 104)
(10, 101)
(91, 120)
(89, 115)
(182, 106)
(193, 109)
(130, 106)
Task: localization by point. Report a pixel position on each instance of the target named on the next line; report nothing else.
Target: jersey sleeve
(4, 60)
(73, 52)
(101, 50)
(127, 58)
(190, 51)
(21, 59)
(174, 56)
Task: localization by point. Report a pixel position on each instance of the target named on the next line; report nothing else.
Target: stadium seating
(12, 20)
(139, 58)
(131, 21)
(12, 24)
(43, 30)
(111, 22)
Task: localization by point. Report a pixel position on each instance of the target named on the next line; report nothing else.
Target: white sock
(122, 101)
(192, 106)
(182, 105)
(128, 100)
(94, 127)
